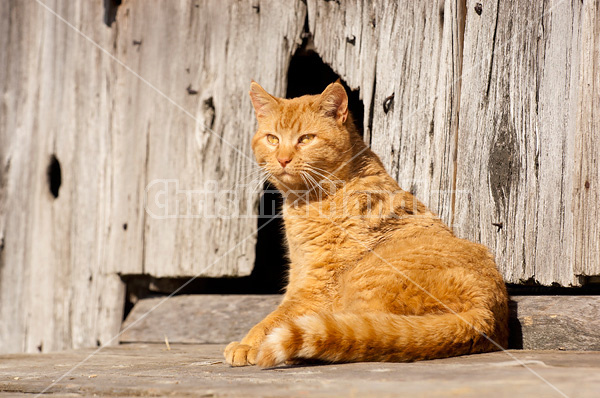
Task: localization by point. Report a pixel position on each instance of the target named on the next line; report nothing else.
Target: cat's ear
(334, 102)
(263, 102)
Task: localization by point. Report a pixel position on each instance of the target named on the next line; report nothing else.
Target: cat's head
(302, 139)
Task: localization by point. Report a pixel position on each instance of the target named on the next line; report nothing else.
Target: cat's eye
(273, 140)
(306, 138)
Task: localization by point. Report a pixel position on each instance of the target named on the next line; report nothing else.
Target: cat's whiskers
(254, 171)
(323, 176)
(251, 177)
(329, 188)
(308, 187)
(318, 168)
(313, 167)
(313, 186)
(304, 180)
(258, 180)
(272, 174)
(315, 182)
(255, 178)
(260, 184)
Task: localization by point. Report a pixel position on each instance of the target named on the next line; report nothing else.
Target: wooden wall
(129, 111)
(492, 120)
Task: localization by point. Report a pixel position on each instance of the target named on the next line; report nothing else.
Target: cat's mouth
(286, 173)
(287, 176)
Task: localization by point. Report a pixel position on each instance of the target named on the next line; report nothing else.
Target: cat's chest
(317, 237)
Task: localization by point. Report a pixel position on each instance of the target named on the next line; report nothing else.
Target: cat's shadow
(302, 364)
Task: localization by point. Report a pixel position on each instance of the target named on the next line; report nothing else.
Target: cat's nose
(284, 161)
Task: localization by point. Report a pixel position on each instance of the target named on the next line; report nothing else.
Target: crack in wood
(487, 91)
(372, 107)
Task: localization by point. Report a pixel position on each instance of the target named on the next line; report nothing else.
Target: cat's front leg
(244, 352)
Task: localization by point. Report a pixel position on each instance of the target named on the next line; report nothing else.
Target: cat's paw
(276, 349)
(237, 354)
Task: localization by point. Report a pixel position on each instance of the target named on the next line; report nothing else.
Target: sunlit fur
(374, 275)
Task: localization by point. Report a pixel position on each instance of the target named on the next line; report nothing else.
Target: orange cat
(374, 275)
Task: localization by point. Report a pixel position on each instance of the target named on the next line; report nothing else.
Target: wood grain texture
(411, 50)
(587, 147)
(517, 137)
(515, 148)
(170, 105)
(188, 371)
(55, 291)
(536, 322)
(212, 319)
(509, 174)
(204, 65)
(555, 323)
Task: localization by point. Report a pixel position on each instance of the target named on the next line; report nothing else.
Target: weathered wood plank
(115, 126)
(515, 146)
(199, 370)
(196, 318)
(555, 322)
(205, 68)
(411, 50)
(536, 322)
(587, 151)
(55, 292)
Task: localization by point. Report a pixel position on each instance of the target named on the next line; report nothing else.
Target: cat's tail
(352, 337)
